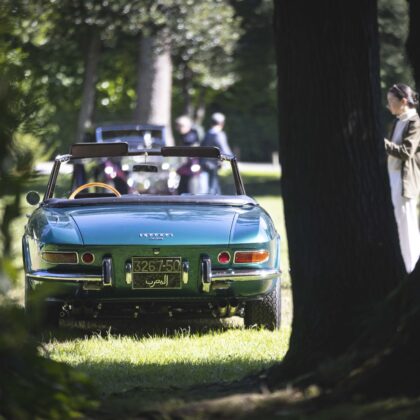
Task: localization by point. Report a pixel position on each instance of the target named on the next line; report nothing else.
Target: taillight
(223, 257)
(88, 258)
(54, 257)
(249, 257)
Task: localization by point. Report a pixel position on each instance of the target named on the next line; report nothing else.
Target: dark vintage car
(137, 136)
(93, 252)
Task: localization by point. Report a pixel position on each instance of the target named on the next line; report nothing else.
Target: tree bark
(412, 44)
(200, 111)
(186, 84)
(343, 244)
(154, 83)
(85, 120)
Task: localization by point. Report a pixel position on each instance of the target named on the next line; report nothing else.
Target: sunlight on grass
(118, 363)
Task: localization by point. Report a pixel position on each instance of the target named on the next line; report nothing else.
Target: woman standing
(404, 169)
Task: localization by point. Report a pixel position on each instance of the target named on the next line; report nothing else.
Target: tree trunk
(154, 83)
(200, 111)
(412, 44)
(11, 211)
(343, 243)
(186, 91)
(89, 89)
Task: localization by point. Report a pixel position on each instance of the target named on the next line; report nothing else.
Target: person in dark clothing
(215, 137)
(188, 137)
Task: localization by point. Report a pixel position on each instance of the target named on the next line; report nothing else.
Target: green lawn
(152, 365)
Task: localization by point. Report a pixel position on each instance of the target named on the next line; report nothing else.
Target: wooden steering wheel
(93, 184)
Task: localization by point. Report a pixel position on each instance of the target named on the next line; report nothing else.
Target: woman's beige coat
(409, 153)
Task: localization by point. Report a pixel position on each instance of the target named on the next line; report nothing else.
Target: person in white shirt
(403, 151)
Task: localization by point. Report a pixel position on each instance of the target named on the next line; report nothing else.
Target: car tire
(265, 313)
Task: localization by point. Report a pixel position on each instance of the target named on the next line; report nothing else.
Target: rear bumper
(69, 277)
(216, 276)
(244, 275)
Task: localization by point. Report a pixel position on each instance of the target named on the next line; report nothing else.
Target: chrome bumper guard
(221, 278)
(105, 279)
(244, 275)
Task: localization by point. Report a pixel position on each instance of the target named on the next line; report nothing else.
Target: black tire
(266, 312)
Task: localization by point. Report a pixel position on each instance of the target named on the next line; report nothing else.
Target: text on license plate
(156, 272)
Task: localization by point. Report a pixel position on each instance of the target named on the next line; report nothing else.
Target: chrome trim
(222, 252)
(46, 275)
(107, 271)
(240, 189)
(244, 275)
(185, 270)
(128, 272)
(206, 273)
(251, 250)
(63, 158)
(26, 254)
(60, 252)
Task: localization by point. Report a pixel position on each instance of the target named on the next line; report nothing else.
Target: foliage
(222, 51)
(250, 103)
(32, 386)
(54, 37)
(393, 30)
(204, 37)
(20, 113)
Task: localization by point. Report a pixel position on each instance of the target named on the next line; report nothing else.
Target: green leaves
(32, 386)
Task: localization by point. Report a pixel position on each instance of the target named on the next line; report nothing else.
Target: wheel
(266, 312)
(39, 314)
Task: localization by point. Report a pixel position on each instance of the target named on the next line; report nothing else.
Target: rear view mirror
(32, 198)
(145, 168)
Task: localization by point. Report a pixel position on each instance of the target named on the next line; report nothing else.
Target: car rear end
(185, 271)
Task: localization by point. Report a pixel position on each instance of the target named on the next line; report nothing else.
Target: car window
(155, 175)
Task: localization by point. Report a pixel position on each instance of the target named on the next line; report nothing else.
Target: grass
(179, 361)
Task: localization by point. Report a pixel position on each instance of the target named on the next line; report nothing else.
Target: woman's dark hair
(400, 90)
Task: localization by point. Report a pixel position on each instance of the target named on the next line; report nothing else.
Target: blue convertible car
(99, 250)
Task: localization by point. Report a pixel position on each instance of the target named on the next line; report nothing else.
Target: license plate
(156, 272)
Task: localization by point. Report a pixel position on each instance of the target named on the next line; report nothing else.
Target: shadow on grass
(161, 387)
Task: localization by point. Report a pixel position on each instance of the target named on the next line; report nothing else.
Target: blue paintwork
(122, 225)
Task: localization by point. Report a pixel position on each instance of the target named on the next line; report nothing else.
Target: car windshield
(136, 138)
(154, 175)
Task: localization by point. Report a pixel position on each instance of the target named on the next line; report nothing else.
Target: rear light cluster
(224, 257)
(244, 257)
(67, 257)
(60, 257)
(88, 258)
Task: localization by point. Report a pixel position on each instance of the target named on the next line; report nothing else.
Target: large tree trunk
(343, 242)
(186, 84)
(154, 83)
(412, 44)
(85, 120)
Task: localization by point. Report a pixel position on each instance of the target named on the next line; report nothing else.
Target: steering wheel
(93, 184)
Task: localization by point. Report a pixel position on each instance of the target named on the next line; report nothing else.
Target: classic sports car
(96, 253)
